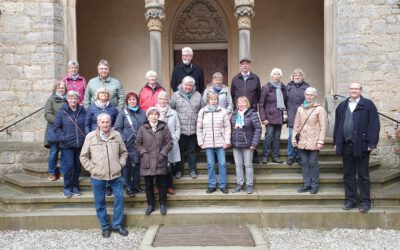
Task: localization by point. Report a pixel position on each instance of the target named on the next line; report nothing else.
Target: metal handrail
(392, 119)
(21, 119)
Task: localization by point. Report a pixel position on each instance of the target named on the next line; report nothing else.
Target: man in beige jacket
(104, 155)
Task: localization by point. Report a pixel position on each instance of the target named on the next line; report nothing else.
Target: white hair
(188, 79)
(188, 49)
(298, 71)
(73, 63)
(311, 90)
(72, 93)
(276, 70)
(151, 73)
(102, 115)
(162, 94)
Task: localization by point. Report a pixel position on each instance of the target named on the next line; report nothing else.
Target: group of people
(120, 139)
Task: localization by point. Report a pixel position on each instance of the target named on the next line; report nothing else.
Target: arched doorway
(201, 26)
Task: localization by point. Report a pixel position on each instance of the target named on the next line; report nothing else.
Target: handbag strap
(307, 119)
(129, 119)
(74, 123)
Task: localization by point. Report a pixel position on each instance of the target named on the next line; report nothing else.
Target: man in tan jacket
(104, 155)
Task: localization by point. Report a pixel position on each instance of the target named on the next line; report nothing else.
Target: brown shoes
(52, 177)
(171, 191)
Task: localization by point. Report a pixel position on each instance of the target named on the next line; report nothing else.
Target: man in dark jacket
(355, 135)
(294, 98)
(246, 83)
(187, 68)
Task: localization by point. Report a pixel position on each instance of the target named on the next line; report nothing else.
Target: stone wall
(368, 50)
(31, 59)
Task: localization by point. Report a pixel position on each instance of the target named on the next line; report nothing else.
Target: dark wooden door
(210, 61)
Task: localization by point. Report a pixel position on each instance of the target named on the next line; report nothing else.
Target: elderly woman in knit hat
(170, 116)
(154, 142)
(74, 81)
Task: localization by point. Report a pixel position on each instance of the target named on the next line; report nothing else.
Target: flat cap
(245, 59)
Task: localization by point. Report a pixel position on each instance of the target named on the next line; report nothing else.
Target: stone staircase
(29, 201)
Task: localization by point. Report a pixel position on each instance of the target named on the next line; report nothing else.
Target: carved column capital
(154, 16)
(243, 14)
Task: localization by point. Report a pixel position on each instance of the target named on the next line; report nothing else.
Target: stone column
(155, 13)
(243, 13)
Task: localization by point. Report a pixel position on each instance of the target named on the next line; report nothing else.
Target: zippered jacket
(213, 128)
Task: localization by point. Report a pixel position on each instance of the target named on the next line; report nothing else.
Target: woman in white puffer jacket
(214, 135)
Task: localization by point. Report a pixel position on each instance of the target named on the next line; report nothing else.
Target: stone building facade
(334, 41)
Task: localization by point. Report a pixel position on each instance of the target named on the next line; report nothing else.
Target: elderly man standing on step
(103, 155)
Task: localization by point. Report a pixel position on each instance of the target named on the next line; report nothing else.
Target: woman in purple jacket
(246, 132)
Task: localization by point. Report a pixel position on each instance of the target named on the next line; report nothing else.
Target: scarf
(240, 119)
(280, 104)
(101, 105)
(133, 109)
(153, 126)
(188, 95)
(74, 77)
(217, 88)
(163, 113)
(212, 108)
(62, 97)
(308, 105)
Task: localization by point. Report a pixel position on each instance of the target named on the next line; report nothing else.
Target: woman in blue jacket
(246, 132)
(69, 126)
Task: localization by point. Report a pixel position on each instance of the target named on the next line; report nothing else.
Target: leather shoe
(250, 189)
(314, 190)
(138, 190)
(121, 231)
(178, 175)
(303, 189)
(349, 205)
(237, 188)
(364, 208)
(264, 160)
(130, 193)
(224, 190)
(106, 233)
(171, 191)
(163, 209)
(210, 190)
(149, 210)
(290, 161)
(277, 160)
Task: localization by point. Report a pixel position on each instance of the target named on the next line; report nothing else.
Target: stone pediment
(199, 22)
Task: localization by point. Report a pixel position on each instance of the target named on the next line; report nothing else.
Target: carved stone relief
(200, 21)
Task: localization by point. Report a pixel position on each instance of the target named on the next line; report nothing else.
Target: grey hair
(151, 73)
(298, 71)
(188, 79)
(311, 90)
(187, 49)
(73, 62)
(102, 90)
(162, 94)
(218, 75)
(72, 93)
(103, 114)
(276, 70)
(103, 62)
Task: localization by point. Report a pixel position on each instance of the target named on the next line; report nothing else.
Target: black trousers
(161, 181)
(188, 148)
(352, 166)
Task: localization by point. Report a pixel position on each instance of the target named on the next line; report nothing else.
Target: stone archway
(200, 25)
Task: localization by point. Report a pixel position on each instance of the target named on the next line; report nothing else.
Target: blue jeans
(292, 152)
(72, 167)
(271, 140)
(99, 193)
(131, 174)
(310, 167)
(210, 153)
(53, 157)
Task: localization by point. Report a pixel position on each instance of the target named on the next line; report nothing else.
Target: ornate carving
(154, 13)
(200, 21)
(244, 22)
(154, 24)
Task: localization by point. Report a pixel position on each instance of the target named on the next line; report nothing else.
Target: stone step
(40, 169)
(324, 217)
(13, 200)
(379, 178)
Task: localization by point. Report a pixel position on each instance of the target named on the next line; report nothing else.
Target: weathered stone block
(7, 96)
(33, 72)
(13, 7)
(393, 28)
(17, 24)
(395, 56)
(18, 85)
(7, 158)
(378, 26)
(41, 37)
(31, 9)
(9, 58)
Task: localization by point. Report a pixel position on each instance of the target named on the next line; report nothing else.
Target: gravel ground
(331, 239)
(276, 239)
(69, 239)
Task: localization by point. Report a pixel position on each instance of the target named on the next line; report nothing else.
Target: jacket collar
(111, 135)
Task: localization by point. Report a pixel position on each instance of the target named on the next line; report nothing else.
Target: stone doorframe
(330, 39)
